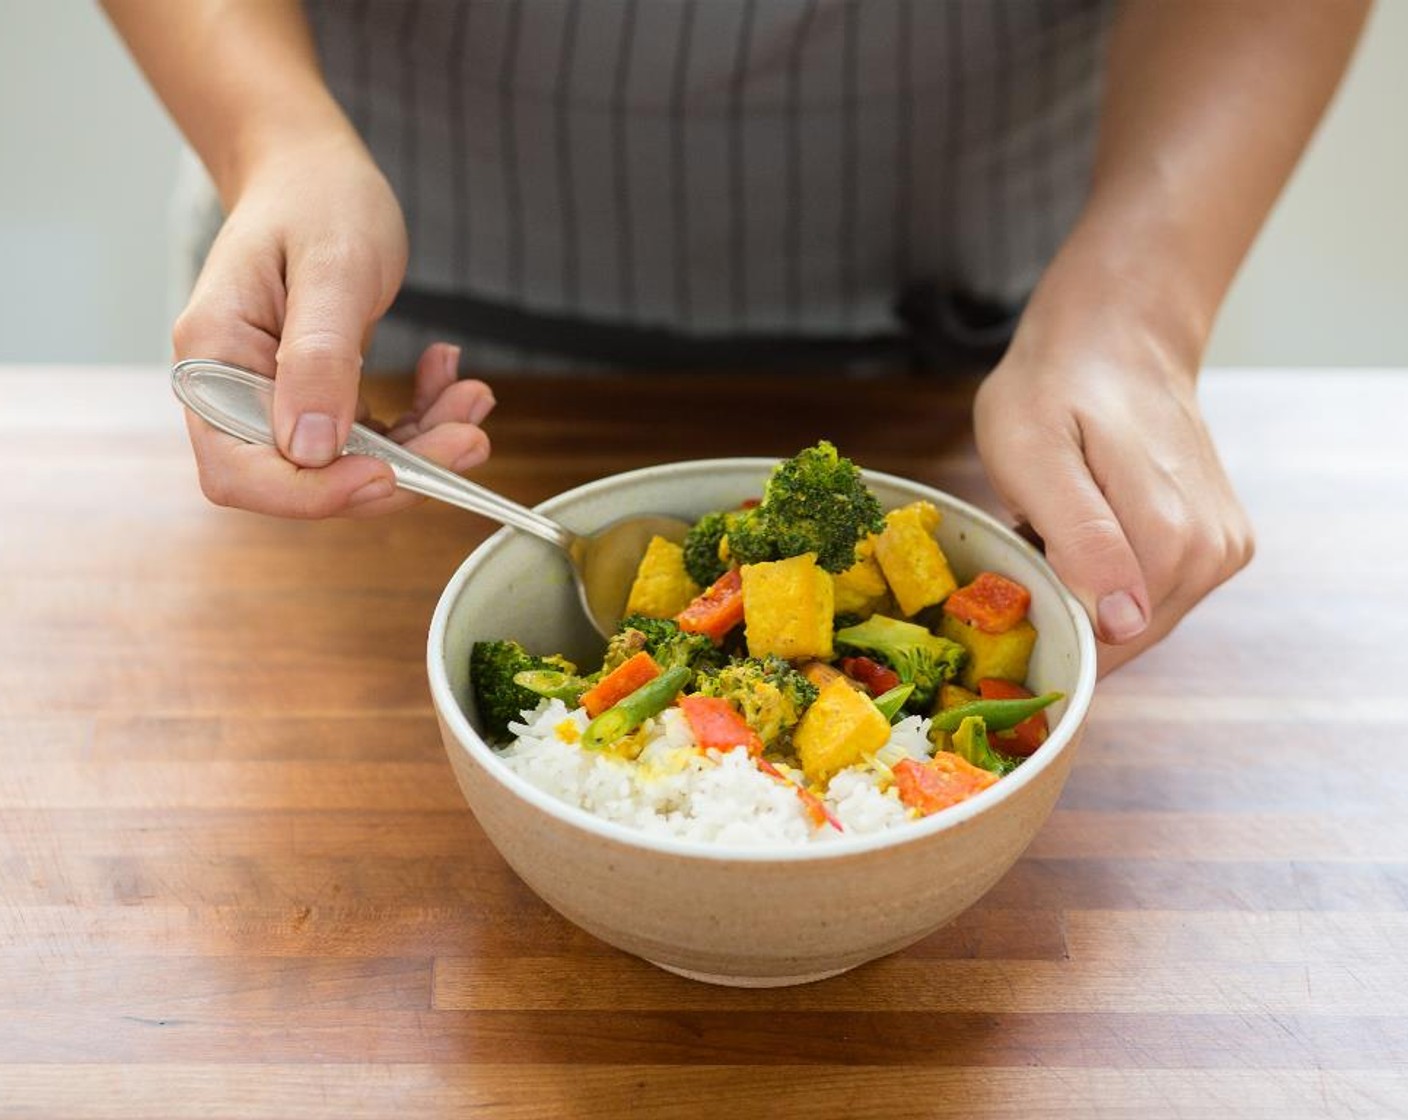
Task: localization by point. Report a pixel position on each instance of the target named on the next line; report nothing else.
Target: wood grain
(237, 879)
(225, 1091)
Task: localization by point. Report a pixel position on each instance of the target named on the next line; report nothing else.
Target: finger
(1223, 547)
(331, 301)
(256, 477)
(1164, 619)
(464, 402)
(233, 316)
(437, 369)
(460, 447)
(1085, 542)
(437, 374)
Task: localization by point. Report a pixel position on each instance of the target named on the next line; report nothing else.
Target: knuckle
(1175, 525)
(1094, 537)
(320, 348)
(1241, 543)
(1214, 557)
(190, 327)
(1246, 548)
(217, 487)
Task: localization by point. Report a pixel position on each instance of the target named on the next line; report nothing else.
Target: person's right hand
(310, 257)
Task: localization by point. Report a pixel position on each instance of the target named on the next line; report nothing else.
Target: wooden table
(237, 879)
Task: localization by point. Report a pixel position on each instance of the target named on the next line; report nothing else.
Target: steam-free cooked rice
(674, 789)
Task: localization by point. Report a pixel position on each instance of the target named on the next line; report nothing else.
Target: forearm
(1208, 105)
(240, 77)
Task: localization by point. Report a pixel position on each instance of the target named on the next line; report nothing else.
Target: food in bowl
(802, 668)
(730, 914)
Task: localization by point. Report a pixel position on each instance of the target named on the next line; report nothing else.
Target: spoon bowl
(238, 401)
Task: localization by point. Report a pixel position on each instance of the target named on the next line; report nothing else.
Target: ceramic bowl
(731, 916)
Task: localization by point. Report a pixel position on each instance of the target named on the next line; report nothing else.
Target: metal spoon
(238, 400)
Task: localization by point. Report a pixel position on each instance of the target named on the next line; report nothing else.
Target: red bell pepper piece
(878, 679)
(718, 610)
(717, 725)
(1023, 739)
(944, 780)
(992, 603)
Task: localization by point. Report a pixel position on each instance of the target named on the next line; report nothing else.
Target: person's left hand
(1092, 434)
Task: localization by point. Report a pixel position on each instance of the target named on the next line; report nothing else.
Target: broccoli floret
(492, 666)
(815, 501)
(725, 537)
(663, 640)
(701, 548)
(621, 647)
(768, 692)
(919, 656)
(972, 743)
(750, 538)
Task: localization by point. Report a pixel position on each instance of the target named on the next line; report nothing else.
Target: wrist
(271, 141)
(1126, 283)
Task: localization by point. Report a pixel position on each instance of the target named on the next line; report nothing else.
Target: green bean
(997, 715)
(631, 711)
(891, 702)
(555, 685)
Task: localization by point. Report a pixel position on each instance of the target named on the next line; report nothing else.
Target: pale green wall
(86, 162)
(1327, 282)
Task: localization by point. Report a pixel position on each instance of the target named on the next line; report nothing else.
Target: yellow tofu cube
(662, 587)
(914, 565)
(788, 608)
(1004, 655)
(838, 730)
(861, 589)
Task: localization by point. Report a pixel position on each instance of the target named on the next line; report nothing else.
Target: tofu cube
(914, 565)
(838, 730)
(861, 589)
(788, 608)
(1004, 655)
(662, 587)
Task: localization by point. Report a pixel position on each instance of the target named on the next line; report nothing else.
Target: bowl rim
(467, 739)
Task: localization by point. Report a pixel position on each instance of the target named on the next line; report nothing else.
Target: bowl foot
(749, 981)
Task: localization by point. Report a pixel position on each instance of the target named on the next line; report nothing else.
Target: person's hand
(1093, 436)
(312, 254)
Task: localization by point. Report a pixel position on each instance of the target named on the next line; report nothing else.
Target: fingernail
(471, 458)
(481, 408)
(314, 442)
(1120, 617)
(452, 361)
(374, 490)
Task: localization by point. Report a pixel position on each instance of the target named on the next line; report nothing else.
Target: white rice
(674, 789)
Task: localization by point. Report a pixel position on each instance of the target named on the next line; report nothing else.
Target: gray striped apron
(718, 182)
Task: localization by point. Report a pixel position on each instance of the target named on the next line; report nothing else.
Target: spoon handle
(237, 401)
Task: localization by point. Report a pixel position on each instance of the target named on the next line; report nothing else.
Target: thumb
(1085, 542)
(319, 360)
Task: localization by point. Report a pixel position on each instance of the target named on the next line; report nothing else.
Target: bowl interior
(515, 586)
